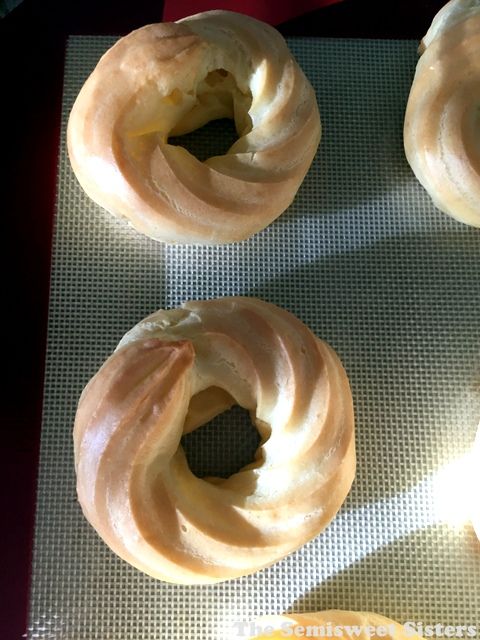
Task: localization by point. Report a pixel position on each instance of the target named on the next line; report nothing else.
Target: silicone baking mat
(366, 261)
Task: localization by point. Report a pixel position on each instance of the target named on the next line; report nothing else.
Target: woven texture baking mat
(366, 261)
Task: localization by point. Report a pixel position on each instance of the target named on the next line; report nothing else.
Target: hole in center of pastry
(213, 139)
(222, 446)
(213, 115)
(205, 120)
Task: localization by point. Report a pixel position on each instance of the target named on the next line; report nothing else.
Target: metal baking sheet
(366, 261)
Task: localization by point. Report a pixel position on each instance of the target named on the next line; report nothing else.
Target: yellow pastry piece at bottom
(330, 624)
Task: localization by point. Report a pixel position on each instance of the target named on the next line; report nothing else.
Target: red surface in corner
(271, 11)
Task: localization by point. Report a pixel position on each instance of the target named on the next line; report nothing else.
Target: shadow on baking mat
(404, 316)
(428, 565)
(8, 5)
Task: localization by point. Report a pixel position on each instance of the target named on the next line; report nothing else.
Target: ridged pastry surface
(442, 122)
(333, 624)
(169, 375)
(168, 79)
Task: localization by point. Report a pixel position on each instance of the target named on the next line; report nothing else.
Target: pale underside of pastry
(168, 79)
(442, 121)
(172, 373)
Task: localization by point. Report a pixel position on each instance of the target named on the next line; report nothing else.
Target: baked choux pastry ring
(172, 373)
(169, 79)
(442, 121)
